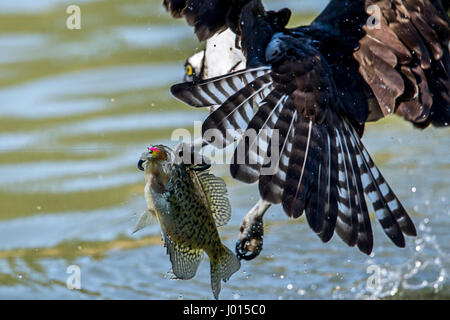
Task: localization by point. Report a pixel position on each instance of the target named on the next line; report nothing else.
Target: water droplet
(301, 292)
(289, 286)
(413, 189)
(19, 276)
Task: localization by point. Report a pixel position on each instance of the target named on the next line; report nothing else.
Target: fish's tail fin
(223, 268)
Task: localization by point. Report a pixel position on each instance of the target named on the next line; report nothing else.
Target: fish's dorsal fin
(215, 191)
(185, 260)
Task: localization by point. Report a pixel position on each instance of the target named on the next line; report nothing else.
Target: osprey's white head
(220, 57)
(193, 66)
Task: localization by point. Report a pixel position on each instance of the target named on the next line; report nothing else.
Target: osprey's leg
(250, 241)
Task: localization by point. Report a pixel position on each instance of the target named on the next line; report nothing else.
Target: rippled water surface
(78, 107)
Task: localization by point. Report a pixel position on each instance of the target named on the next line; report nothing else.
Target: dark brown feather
(298, 178)
(331, 200)
(271, 186)
(416, 34)
(250, 154)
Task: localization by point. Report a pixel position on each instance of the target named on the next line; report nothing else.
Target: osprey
(317, 86)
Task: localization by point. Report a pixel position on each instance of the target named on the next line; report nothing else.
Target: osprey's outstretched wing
(319, 165)
(310, 90)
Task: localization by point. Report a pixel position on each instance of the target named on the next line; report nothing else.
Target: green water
(78, 107)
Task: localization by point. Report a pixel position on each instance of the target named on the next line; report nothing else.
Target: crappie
(189, 203)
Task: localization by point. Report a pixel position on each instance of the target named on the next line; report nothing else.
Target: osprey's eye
(189, 70)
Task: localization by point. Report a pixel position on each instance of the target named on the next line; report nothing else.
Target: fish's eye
(189, 70)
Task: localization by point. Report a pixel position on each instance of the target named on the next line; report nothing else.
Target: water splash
(423, 274)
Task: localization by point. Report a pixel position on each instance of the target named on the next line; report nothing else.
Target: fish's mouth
(140, 165)
(143, 160)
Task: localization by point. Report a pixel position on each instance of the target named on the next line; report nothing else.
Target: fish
(190, 204)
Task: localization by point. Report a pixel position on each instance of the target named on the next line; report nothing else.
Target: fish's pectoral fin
(184, 259)
(144, 220)
(216, 193)
(222, 269)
